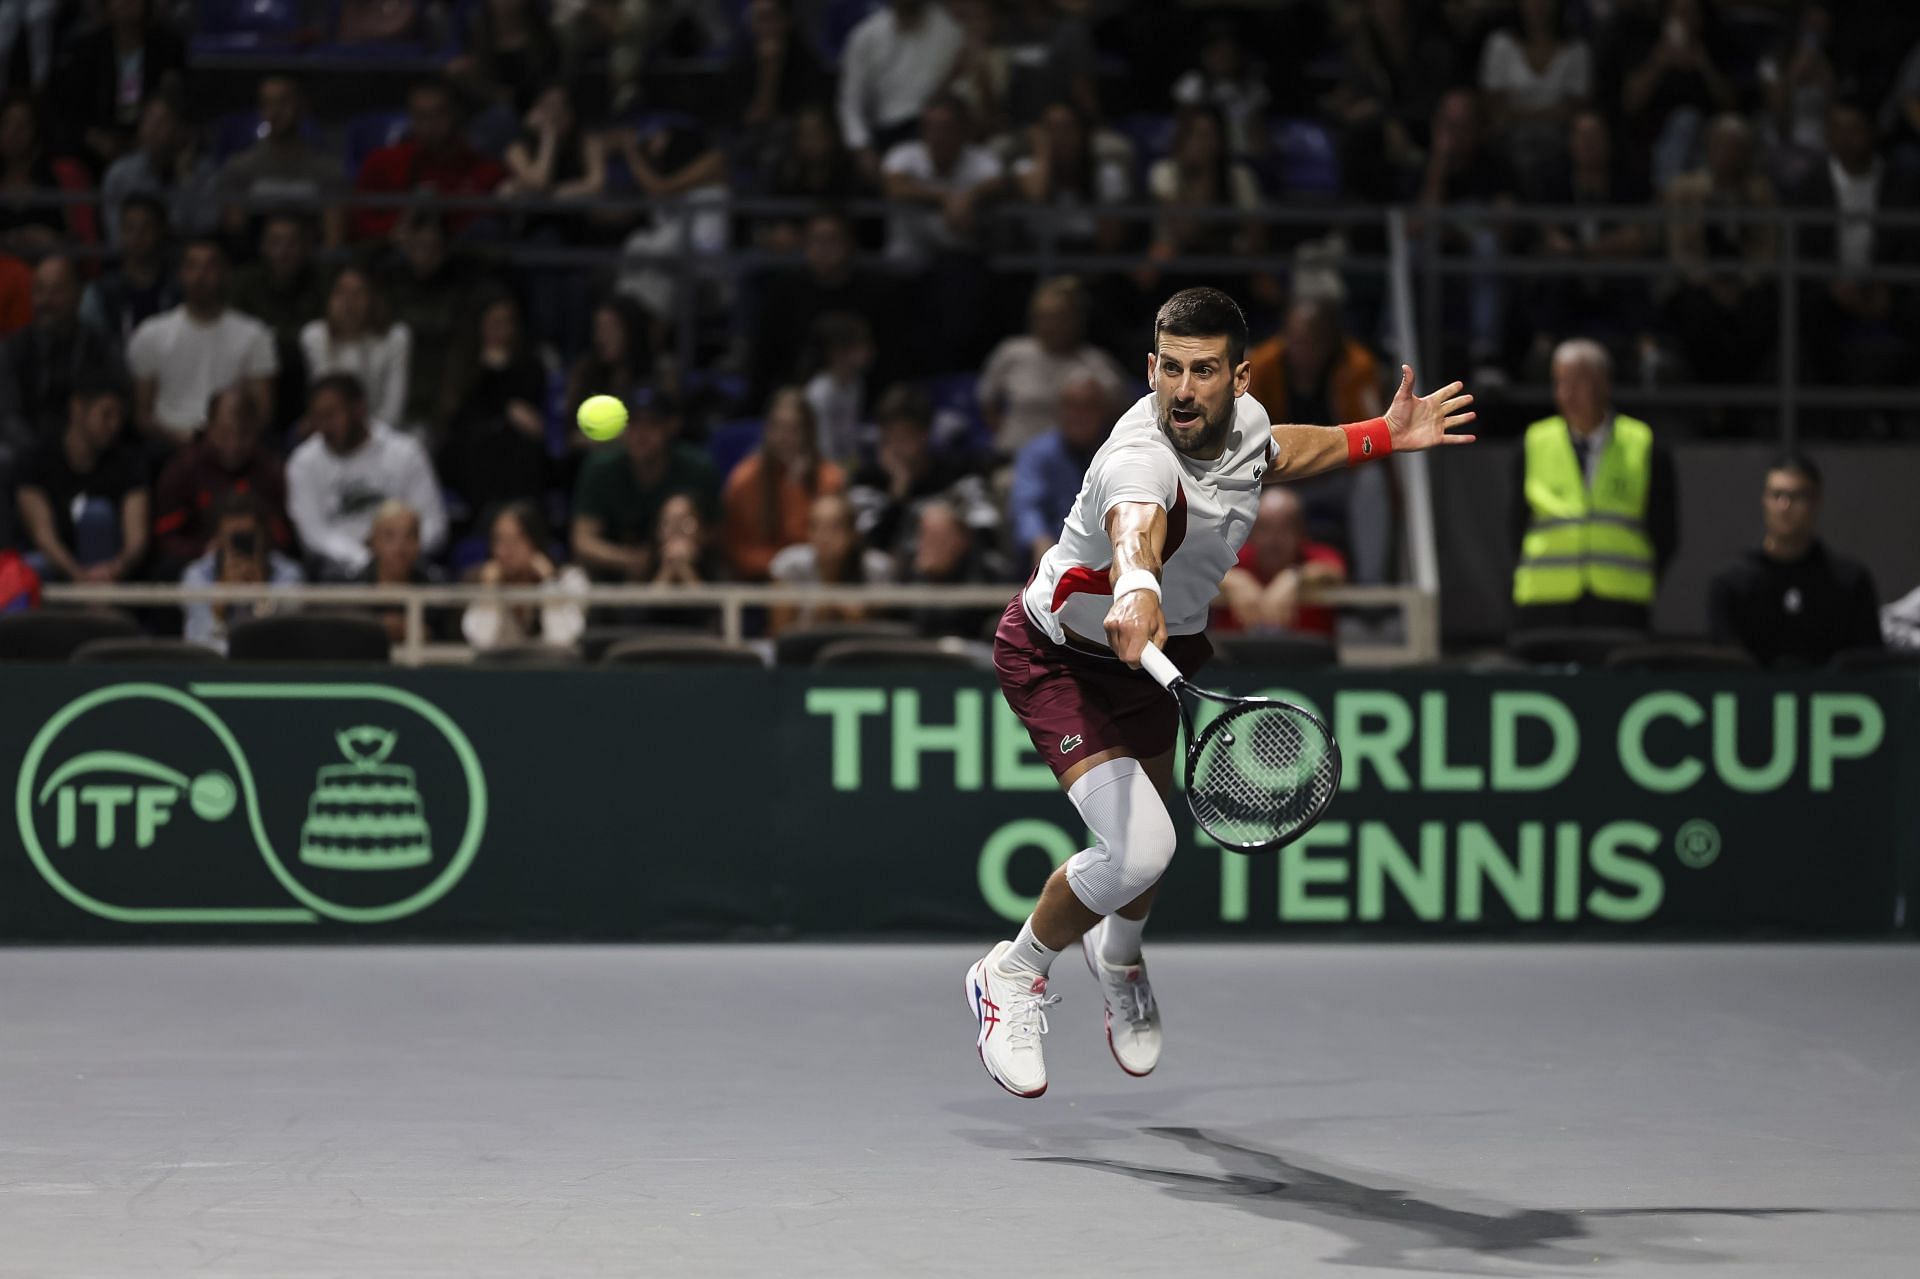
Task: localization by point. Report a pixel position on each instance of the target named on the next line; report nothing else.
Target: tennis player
(1165, 507)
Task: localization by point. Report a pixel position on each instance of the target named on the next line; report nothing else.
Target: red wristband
(1367, 441)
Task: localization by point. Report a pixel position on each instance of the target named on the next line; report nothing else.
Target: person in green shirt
(622, 488)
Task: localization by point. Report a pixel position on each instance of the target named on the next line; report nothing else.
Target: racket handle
(1160, 666)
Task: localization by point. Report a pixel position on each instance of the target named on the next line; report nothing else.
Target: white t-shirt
(190, 362)
(1023, 379)
(380, 362)
(1210, 510)
(920, 230)
(1504, 69)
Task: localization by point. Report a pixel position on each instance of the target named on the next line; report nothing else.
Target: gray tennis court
(818, 1110)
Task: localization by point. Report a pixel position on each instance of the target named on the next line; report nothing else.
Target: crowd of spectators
(215, 368)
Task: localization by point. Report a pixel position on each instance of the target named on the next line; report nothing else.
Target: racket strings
(1261, 776)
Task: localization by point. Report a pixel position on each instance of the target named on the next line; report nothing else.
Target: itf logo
(144, 803)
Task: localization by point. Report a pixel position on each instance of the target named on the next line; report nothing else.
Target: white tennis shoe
(1133, 1018)
(1012, 1012)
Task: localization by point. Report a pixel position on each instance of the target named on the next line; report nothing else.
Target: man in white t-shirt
(181, 359)
(894, 61)
(346, 470)
(947, 177)
(1165, 508)
(1020, 385)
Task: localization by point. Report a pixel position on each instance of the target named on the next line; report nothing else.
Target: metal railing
(1417, 641)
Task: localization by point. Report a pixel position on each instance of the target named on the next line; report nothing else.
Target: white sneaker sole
(1088, 951)
(976, 986)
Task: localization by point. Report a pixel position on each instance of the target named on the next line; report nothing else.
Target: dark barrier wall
(707, 804)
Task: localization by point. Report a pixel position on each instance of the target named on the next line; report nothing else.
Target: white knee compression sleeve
(1134, 836)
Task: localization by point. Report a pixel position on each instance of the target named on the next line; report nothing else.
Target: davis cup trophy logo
(145, 803)
(366, 814)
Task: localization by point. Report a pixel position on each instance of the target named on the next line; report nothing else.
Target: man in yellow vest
(1595, 513)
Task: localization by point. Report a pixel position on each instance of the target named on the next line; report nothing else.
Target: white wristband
(1136, 579)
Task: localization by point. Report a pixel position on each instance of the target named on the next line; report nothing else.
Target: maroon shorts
(1076, 703)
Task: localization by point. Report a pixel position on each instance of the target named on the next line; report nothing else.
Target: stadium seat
(1673, 655)
(1151, 136)
(838, 18)
(1288, 652)
(235, 132)
(959, 428)
(800, 646)
(143, 652)
(728, 443)
(309, 637)
(367, 133)
(1303, 159)
(679, 650)
(524, 655)
(1572, 646)
(1876, 659)
(52, 635)
(242, 26)
(899, 654)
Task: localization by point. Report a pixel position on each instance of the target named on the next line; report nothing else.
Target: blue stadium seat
(728, 443)
(1151, 136)
(235, 132)
(559, 428)
(730, 389)
(838, 18)
(367, 133)
(959, 428)
(245, 25)
(1304, 159)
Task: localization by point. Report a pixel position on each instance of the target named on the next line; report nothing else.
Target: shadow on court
(1386, 1225)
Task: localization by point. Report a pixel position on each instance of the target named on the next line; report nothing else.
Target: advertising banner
(703, 804)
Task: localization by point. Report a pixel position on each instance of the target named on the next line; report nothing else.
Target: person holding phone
(241, 551)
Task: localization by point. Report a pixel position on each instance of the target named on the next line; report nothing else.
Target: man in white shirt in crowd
(182, 358)
(947, 176)
(346, 469)
(1024, 378)
(895, 60)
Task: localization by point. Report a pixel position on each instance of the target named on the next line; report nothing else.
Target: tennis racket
(1261, 773)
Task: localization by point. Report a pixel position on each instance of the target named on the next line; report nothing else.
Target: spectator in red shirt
(1262, 592)
(433, 156)
(224, 458)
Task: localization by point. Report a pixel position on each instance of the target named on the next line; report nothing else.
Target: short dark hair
(211, 243)
(1203, 313)
(151, 203)
(1798, 462)
(345, 385)
(97, 384)
(905, 402)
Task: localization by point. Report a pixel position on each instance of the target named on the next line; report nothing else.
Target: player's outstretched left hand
(1422, 422)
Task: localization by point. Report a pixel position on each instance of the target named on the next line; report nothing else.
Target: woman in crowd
(618, 360)
(496, 431)
(519, 541)
(357, 336)
(831, 555)
(1063, 168)
(394, 541)
(769, 495)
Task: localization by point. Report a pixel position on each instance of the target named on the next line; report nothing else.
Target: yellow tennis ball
(602, 417)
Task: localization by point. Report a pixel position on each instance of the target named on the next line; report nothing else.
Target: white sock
(1027, 955)
(1120, 939)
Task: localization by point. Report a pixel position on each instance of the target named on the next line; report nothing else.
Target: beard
(1204, 436)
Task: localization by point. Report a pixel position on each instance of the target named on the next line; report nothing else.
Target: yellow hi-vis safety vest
(1583, 542)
